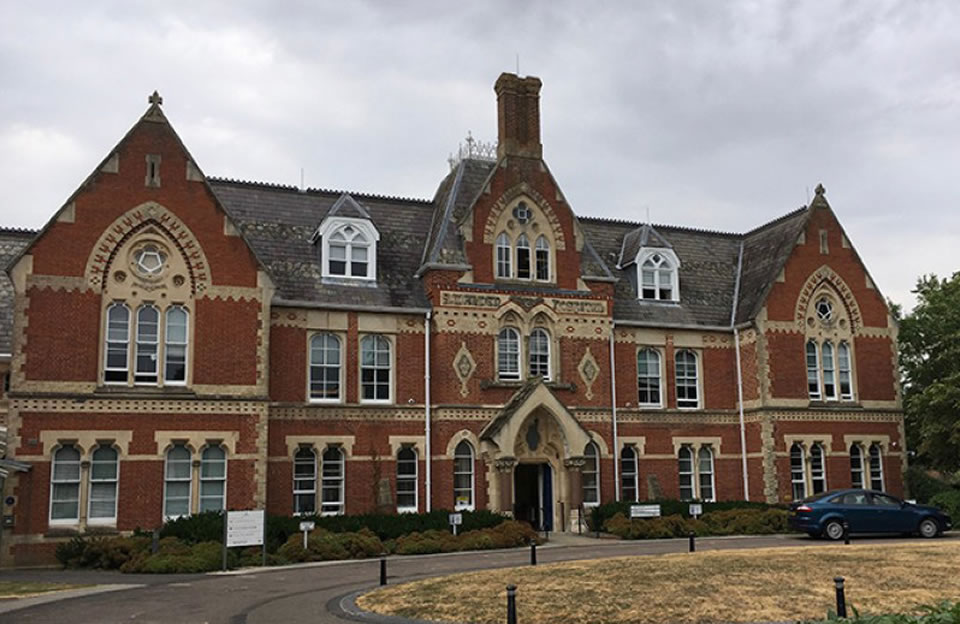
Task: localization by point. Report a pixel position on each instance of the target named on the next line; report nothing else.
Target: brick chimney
(518, 116)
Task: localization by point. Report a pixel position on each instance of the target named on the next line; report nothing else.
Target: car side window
(837, 500)
(855, 498)
(885, 501)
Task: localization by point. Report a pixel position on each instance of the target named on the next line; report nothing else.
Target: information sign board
(245, 528)
(644, 511)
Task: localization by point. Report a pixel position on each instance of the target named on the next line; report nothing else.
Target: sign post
(644, 511)
(307, 526)
(456, 519)
(696, 510)
(245, 528)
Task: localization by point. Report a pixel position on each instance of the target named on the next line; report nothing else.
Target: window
(628, 475)
(407, 480)
(856, 466)
(705, 470)
(175, 348)
(375, 368)
(116, 367)
(818, 474)
(325, 368)
(656, 278)
(148, 333)
(687, 379)
(333, 481)
(177, 484)
(843, 371)
(305, 481)
(824, 309)
(876, 467)
(65, 486)
(685, 472)
(813, 371)
(503, 256)
(213, 479)
(829, 381)
(591, 475)
(798, 472)
(829, 368)
(648, 377)
(348, 253)
(543, 259)
(523, 257)
(508, 354)
(539, 354)
(463, 476)
(103, 485)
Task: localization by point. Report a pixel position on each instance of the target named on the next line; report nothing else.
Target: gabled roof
(347, 206)
(640, 238)
(12, 243)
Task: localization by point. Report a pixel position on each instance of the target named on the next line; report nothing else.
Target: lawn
(770, 584)
(15, 589)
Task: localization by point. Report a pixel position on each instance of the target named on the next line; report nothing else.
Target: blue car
(865, 511)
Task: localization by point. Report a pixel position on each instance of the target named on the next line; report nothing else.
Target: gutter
(693, 326)
(299, 303)
(736, 346)
(613, 402)
(426, 404)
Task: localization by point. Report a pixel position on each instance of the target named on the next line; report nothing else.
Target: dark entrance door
(533, 495)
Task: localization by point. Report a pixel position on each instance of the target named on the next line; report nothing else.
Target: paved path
(300, 594)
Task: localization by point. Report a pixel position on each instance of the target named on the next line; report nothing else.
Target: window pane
(508, 353)
(648, 377)
(686, 375)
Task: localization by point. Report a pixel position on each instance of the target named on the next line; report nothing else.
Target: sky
(714, 115)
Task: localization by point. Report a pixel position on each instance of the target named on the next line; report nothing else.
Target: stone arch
(460, 436)
(506, 202)
(823, 280)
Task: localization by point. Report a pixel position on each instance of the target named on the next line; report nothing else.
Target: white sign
(696, 509)
(308, 525)
(456, 519)
(245, 528)
(644, 511)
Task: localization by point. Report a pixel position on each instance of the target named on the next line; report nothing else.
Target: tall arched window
(508, 354)
(705, 471)
(305, 481)
(348, 253)
(591, 475)
(876, 467)
(818, 469)
(543, 259)
(333, 492)
(103, 485)
(843, 371)
(628, 474)
(829, 379)
(463, 476)
(798, 472)
(813, 371)
(148, 337)
(213, 479)
(856, 466)
(177, 482)
(65, 486)
(657, 278)
(407, 480)
(375, 368)
(685, 472)
(504, 253)
(175, 346)
(539, 354)
(523, 257)
(116, 367)
(648, 377)
(687, 385)
(325, 367)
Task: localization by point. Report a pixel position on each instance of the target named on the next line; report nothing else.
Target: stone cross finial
(820, 191)
(155, 99)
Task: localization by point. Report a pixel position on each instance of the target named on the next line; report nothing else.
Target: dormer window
(348, 240)
(349, 253)
(658, 277)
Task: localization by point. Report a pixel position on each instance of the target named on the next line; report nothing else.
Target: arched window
(324, 367)
(103, 485)
(798, 472)
(148, 335)
(177, 482)
(348, 253)
(539, 354)
(876, 467)
(508, 354)
(175, 346)
(628, 474)
(504, 254)
(843, 371)
(687, 387)
(407, 480)
(813, 371)
(463, 476)
(523, 257)
(685, 472)
(591, 475)
(65, 486)
(829, 380)
(305, 481)
(375, 368)
(116, 367)
(818, 469)
(543, 259)
(648, 377)
(856, 466)
(213, 479)
(657, 279)
(333, 491)
(705, 470)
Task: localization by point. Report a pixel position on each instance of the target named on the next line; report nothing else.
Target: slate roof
(12, 242)
(452, 202)
(634, 241)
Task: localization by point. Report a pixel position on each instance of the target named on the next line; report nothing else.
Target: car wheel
(833, 530)
(929, 528)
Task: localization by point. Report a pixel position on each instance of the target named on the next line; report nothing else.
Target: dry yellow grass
(770, 584)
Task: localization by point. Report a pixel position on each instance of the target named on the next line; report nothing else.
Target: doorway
(533, 495)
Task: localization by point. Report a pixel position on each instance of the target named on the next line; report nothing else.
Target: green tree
(930, 368)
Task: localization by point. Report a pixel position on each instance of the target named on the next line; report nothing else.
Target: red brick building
(182, 343)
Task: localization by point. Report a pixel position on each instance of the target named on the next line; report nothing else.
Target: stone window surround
(342, 337)
(331, 225)
(668, 254)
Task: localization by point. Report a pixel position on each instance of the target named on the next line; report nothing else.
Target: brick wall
(62, 335)
(226, 342)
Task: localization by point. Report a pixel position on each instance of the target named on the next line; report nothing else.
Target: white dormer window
(658, 276)
(349, 248)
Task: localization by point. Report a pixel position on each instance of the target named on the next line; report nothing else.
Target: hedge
(924, 487)
(723, 522)
(599, 515)
(943, 613)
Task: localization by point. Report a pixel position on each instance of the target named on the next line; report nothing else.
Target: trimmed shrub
(323, 545)
(948, 501)
(508, 534)
(923, 486)
(728, 522)
(599, 515)
(108, 553)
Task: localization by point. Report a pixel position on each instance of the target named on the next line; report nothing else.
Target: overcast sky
(718, 115)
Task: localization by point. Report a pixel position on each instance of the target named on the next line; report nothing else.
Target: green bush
(725, 522)
(206, 526)
(392, 526)
(202, 557)
(507, 534)
(597, 516)
(943, 613)
(948, 501)
(107, 553)
(322, 545)
(924, 487)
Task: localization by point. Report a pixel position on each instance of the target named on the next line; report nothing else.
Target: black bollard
(383, 570)
(846, 532)
(155, 542)
(693, 543)
(533, 552)
(841, 599)
(511, 604)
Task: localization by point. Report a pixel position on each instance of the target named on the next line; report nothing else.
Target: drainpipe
(426, 392)
(613, 399)
(736, 346)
